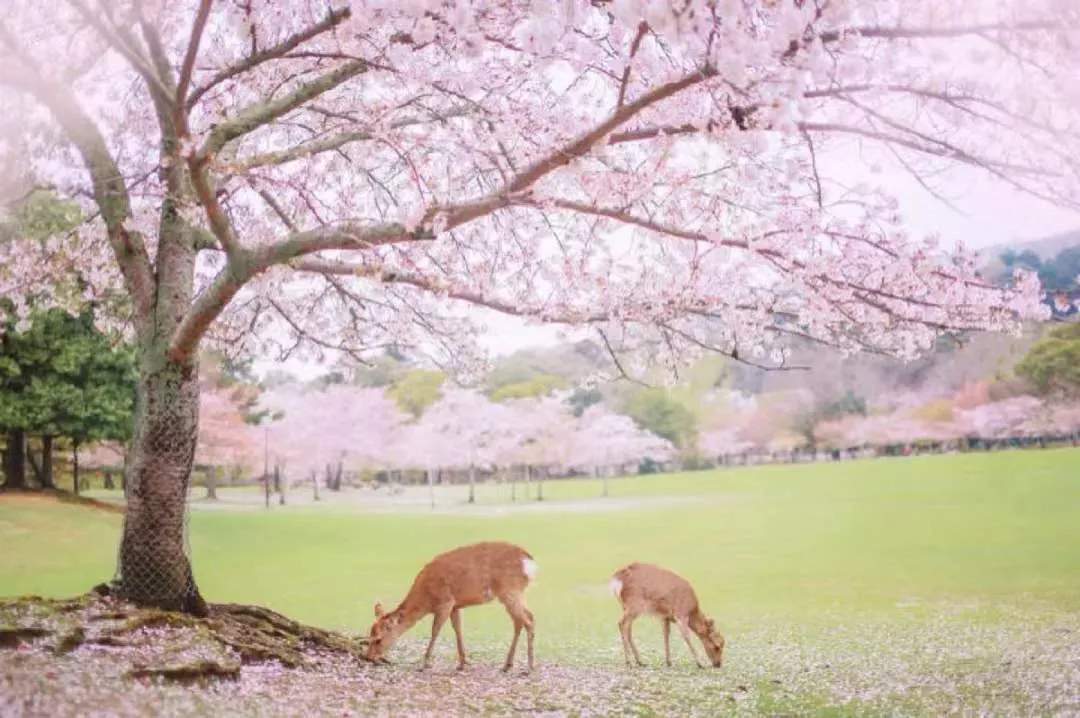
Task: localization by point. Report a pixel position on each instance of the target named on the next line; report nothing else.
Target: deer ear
(379, 609)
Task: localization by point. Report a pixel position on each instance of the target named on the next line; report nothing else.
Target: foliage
(536, 386)
(381, 371)
(939, 410)
(656, 410)
(63, 377)
(849, 403)
(40, 215)
(581, 398)
(1053, 364)
(416, 390)
(1060, 273)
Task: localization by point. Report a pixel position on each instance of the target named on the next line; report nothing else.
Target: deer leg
(455, 621)
(685, 631)
(518, 625)
(437, 621)
(666, 622)
(626, 624)
(522, 618)
(529, 632)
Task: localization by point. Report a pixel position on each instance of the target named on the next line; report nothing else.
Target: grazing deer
(462, 577)
(645, 588)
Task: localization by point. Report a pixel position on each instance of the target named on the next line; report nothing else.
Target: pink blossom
(678, 176)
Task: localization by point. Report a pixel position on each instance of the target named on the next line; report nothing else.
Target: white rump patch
(616, 587)
(529, 567)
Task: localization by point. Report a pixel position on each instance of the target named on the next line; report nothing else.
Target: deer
(465, 576)
(646, 588)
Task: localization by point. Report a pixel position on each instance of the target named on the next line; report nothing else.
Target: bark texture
(15, 460)
(154, 568)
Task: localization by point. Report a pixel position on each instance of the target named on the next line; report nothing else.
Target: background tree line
(64, 384)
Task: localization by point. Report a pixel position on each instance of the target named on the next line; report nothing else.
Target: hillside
(1045, 248)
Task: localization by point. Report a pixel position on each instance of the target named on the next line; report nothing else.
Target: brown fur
(645, 588)
(459, 578)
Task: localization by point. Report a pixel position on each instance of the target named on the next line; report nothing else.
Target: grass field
(924, 585)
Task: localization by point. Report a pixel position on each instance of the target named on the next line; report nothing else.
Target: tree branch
(332, 20)
(110, 193)
(335, 142)
(188, 65)
(642, 28)
(255, 116)
(618, 362)
(247, 121)
(124, 45)
(392, 276)
(579, 147)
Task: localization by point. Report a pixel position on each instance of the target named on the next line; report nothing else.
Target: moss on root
(171, 646)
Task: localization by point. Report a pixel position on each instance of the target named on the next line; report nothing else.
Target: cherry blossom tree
(603, 439)
(309, 176)
(543, 428)
(1003, 419)
(338, 426)
(224, 439)
(473, 427)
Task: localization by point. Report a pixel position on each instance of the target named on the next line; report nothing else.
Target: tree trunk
(431, 486)
(154, 568)
(338, 476)
(472, 484)
(279, 481)
(211, 482)
(39, 476)
(47, 479)
(15, 460)
(315, 483)
(540, 485)
(75, 467)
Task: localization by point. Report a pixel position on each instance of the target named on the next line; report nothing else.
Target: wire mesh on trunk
(154, 564)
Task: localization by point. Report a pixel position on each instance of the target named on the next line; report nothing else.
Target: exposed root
(68, 642)
(15, 637)
(217, 646)
(189, 672)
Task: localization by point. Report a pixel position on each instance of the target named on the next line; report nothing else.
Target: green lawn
(832, 558)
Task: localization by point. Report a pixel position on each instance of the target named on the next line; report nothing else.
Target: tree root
(231, 636)
(189, 672)
(15, 637)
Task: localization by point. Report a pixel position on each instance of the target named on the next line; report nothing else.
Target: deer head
(711, 639)
(384, 633)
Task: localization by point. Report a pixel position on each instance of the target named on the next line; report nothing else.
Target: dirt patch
(52, 496)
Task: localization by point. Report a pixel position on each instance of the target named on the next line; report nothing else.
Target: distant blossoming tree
(339, 425)
(472, 428)
(603, 440)
(225, 440)
(272, 175)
